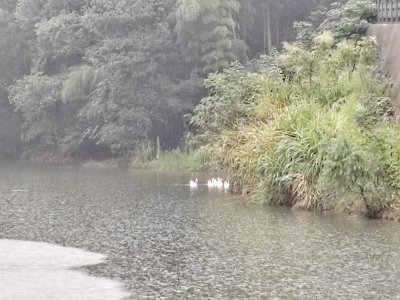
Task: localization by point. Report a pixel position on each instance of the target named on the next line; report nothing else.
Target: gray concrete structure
(388, 11)
(388, 38)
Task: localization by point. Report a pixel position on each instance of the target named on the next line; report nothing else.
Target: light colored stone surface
(41, 271)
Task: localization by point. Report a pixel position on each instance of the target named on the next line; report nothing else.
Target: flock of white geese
(218, 183)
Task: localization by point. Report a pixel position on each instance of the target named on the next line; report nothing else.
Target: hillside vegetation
(306, 123)
(101, 79)
(310, 126)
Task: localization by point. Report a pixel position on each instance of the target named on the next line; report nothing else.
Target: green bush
(350, 20)
(322, 140)
(152, 156)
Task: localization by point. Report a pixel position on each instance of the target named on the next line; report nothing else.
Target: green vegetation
(313, 140)
(98, 79)
(310, 126)
(150, 156)
(305, 124)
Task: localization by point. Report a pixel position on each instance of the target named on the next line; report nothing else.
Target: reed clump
(152, 156)
(319, 132)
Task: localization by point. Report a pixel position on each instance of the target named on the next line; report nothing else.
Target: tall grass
(151, 156)
(321, 139)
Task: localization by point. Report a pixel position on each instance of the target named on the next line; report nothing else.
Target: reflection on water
(41, 271)
(166, 241)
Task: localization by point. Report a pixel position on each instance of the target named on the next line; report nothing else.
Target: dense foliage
(94, 79)
(304, 124)
(317, 133)
(310, 126)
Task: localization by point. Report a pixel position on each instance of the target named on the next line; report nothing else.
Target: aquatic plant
(150, 155)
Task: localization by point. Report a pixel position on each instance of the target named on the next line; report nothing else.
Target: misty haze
(199, 149)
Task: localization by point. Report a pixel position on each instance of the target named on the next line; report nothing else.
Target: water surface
(165, 241)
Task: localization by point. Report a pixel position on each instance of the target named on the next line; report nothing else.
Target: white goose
(210, 183)
(226, 184)
(193, 183)
(218, 183)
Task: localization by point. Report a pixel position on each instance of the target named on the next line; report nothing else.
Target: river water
(162, 240)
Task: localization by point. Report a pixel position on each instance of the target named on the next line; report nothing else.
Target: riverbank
(356, 208)
(163, 160)
(153, 157)
(312, 128)
(336, 148)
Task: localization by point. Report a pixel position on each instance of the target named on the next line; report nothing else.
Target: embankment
(388, 37)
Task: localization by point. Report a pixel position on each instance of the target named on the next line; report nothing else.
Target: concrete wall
(388, 37)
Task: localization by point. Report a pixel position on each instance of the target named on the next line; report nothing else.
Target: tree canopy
(95, 79)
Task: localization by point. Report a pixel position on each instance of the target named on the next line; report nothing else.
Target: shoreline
(388, 214)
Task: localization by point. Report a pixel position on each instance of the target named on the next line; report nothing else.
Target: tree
(14, 63)
(350, 20)
(208, 33)
(115, 74)
(37, 98)
(107, 68)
